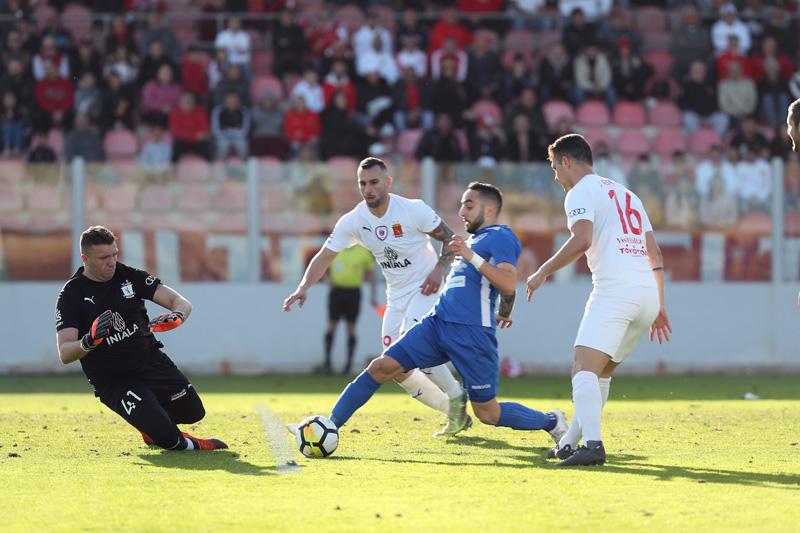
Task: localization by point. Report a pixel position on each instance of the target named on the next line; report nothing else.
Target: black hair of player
(573, 146)
(488, 192)
(794, 114)
(96, 235)
(371, 162)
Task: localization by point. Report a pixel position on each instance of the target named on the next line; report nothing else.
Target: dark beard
(477, 223)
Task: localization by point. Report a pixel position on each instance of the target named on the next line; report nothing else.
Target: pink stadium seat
(520, 40)
(408, 141)
(595, 136)
(44, 198)
(629, 114)
(351, 16)
(555, 110)
(55, 140)
(119, 198)
(11, 170)
(231, 222)
(632, 143)
(273, 199)
(546, 39)
(194, 198)
(159, 220)
(265, 84)
(270, 169)
(665, 113)
(656, 40)
(231, 196)
(593, 113)
(489, 108)
(669, 140)
(193, 222)
(10, 197)
(702, 140)
(489, 36)
(650, 18)
(262, 62)
(120, 145)
(528, 56)
(755, 223)
(660, 61)
(77, 19)
(155, 198)
(194, 169)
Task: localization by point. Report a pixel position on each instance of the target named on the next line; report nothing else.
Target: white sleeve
(343, 236)
(425, 218)
(578, 205)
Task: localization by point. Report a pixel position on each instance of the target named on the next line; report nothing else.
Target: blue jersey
(468, 297)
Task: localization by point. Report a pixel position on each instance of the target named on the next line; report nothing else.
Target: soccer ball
(317, 437)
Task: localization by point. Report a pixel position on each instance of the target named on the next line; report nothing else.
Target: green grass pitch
(685, 454)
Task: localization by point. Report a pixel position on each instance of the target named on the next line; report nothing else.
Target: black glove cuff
(86, 343)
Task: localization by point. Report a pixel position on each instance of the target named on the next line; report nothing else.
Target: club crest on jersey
(393, 259)
(122, 330)
(382, 232)
(127, 289)
(397, 229)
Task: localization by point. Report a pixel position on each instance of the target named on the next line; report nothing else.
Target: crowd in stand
(453, 86)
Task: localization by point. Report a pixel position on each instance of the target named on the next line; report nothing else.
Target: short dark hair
(370, 162)
(488, 192)
(794, 113)
(572, 145)
(96, 235)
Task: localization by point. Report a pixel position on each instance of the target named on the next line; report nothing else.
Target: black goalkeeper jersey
(130, 345)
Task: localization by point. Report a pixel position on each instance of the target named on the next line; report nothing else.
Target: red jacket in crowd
(442, 30)
(301, 126)
(54, 95)
(189, 126)
(481, 6)
(329, 88)
(194, 77)
(757, 67)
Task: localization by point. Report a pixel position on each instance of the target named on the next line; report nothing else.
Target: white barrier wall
(241, 328)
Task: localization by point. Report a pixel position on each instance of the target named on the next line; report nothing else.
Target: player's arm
(504, 309)
(443, 234)
(503, 275)
(579, 241)
(180, 309)
(661, 327)
(70, 348)
(316, 269)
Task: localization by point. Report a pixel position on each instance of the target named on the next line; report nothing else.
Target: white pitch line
(275, 431)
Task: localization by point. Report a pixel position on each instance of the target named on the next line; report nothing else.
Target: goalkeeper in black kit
(102, 322)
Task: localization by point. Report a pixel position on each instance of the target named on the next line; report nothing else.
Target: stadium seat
(631, 143)
(546, 39)
(701, 141)
(665, 113)
(656, 41)
(520, 40)
(595, 136)
(555, 110)
(351, 16)
(77, 19)
(489, 108)
(262, 62)
(669, 140)
(650, 18)
(55, 140)
(155, 198)
(755, 223)
(119, 198)
(43, 197)
(407, 142)
(158, 220)
(42, 13)
(270, 169)
(231, 196)
(629, 114)
(193, 222)
(193, 168)
(490, 36)
(265, 84)
(528, 56)
(10, 197)
(11, 170)
(231, 222)
(593, 113)
(120, 145)
(193, 198)
(660, 61)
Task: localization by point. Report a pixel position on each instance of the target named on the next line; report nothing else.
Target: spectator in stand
(88, 99)
(217, 68)
(480, 6)
(578, 34)
(516, 78)
(410, 28)
(288, 45)
(485, 146)
(208, 24)
(450, 53)
(54, 28)
(337, 80)
(119, 62)
(160, 96)
(629, 72)
(15, 124)
(84, 141)
(781, 145)
(689, 41)
(230, 125)
(301, 126)
(364, 38)
(342, 135)
(592, 9)
(711, 168)
(484, 70)
(327, 37)
(699, 102)
(449, 27)
(563, 127)
(754, 182)
(448, 95)
(54, 98)
(411, 55)
(152, 63)
(188, 125)
(643, 176)
(676, 170)
(379, 60)
(747, 135)
(605, 166)
(156, 154)
(14, 50)
(618, 28)
(40, 151)
(18, 80)
(521, 144)
(237, 42)
(233, 81)
(557, 75)
(154, 31)
(681, 207)
(718, 207)
(412, 100)
(310, 91)
(781, 28)
(118, 104)
(593, 77)
(193, 73)
(50, 52)
(772, 71)
(28, 36)
(267, 130)
(528, 105)
(120, 35)
(737, 95)
(727, 25)
(733, 54)
(86, 60)
(374, 102)
(11, 10)
(441, 142)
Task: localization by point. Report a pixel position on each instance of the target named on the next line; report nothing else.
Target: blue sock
(356, 394)
(516, 416)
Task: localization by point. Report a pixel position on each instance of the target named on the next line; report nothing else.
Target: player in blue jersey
(461, 328)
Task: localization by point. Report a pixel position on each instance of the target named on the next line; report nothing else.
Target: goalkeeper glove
(166, 321)
(101, 328)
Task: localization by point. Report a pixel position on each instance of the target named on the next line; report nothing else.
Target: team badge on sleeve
(127, 289)
(382, 232)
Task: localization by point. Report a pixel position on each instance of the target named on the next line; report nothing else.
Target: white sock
(588, 404)
(445, 380)
(574, 433)
(422, 389)
(605, 386)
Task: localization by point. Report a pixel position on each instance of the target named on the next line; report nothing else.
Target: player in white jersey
(398, 232)
(608, 223)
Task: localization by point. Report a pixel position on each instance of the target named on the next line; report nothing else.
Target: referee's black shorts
(344, 303)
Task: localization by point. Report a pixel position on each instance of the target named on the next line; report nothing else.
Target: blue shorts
(472, 350)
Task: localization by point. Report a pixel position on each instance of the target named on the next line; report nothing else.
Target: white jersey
(618, 254)
(398, 241)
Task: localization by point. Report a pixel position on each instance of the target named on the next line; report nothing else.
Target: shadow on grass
(227, 461)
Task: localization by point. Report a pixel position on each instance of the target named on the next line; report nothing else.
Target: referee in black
(102, 322)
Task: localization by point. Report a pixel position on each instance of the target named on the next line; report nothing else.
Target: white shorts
(402, 313)
(614, 320)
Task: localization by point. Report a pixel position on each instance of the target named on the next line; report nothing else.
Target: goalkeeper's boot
(591, 454)
(147, 439)
(457, 418)
(561, 425)
(560, 453)
(205, 444)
